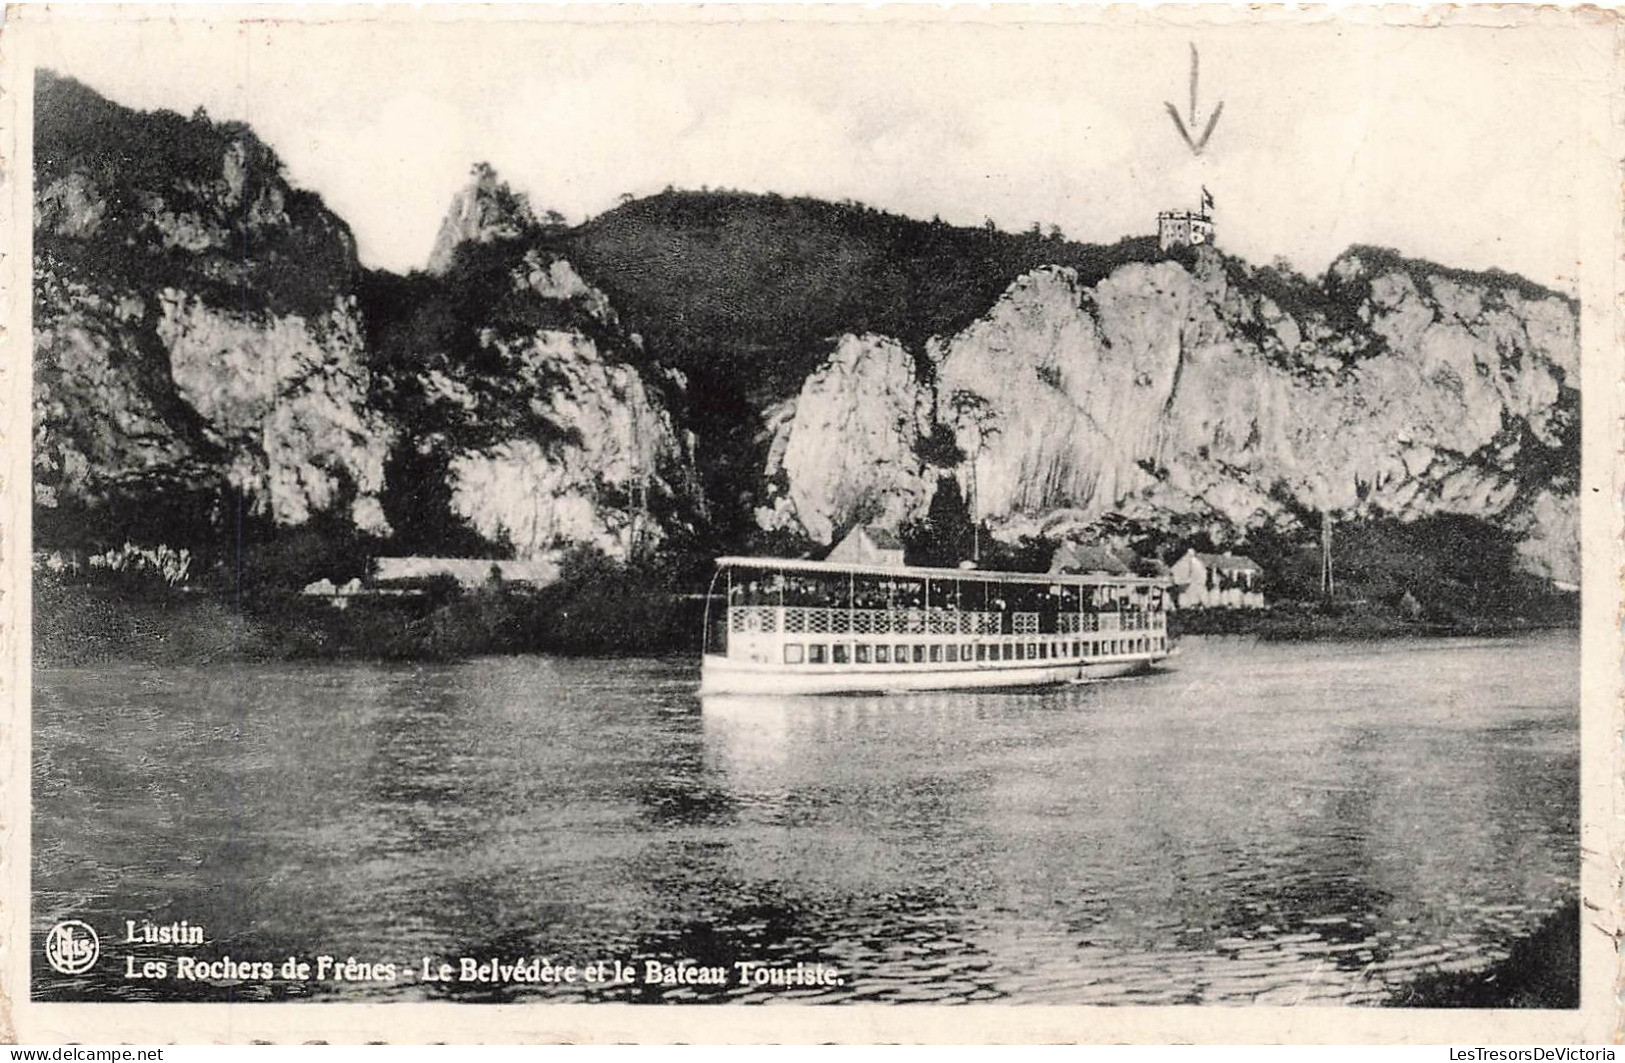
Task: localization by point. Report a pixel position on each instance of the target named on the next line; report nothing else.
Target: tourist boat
(819, 627)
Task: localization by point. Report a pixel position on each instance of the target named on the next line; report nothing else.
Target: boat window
(1009, 651)
(964, 652)
(901, 655)
(815, 653)
(840, 653)
(1032, 651)
(1043, 650)
(792, 653)
(882, 654)
(860, 653)
(919, 654)
(1021, 651)
(981, 651)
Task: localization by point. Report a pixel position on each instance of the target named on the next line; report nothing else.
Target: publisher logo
(71, 947)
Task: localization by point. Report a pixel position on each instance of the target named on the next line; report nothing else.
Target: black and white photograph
(1074, 512)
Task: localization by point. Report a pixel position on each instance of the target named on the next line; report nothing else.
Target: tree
(944, 538)
(973, 414)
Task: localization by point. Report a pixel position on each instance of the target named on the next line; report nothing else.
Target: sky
(1474, 146)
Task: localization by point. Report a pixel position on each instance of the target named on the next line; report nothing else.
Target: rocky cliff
(718, 364)
(540, 419)
(494, 404)
(1202, 389)
(846, 450)
(171, 369)
(525, 412)
(483, 211)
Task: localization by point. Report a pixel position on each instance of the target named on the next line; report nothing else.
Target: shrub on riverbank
(253, 609)
(598, 606)
(78, 622)
(1366, 619)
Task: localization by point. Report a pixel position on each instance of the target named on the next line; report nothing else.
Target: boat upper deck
(834, 568)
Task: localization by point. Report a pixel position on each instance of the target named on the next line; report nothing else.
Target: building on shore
(397, 577)
(868, 545)
(1229, 581)
(1072, 558)
(469, 572)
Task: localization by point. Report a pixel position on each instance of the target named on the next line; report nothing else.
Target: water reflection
(1262, 823)
(1207, 835)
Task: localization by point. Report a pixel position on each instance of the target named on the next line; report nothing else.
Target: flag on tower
(1207, 199)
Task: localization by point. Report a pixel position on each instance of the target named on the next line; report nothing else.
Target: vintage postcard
(522, 521)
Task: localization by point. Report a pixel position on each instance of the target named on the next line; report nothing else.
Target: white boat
(776, 626)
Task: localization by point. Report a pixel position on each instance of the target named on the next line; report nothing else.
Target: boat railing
(814, 620)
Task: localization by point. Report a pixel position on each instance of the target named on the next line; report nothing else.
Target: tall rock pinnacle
(485, 210)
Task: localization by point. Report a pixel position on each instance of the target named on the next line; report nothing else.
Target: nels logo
(71, 947)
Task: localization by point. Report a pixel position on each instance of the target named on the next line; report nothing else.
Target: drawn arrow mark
(1196, 146)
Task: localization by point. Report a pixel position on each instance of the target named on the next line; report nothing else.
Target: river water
(1258, 823)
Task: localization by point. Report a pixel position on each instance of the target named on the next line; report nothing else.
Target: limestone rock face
(550, 427)
(168, 361)
(1171, 389)
(286, 401)
(485, 210)
(179, 382)
(96, 423)
(613, 447)
(846, 449)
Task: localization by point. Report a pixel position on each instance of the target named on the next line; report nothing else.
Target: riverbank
(84, 623)
(81, 623)
(1541, 971)
(1304, 621)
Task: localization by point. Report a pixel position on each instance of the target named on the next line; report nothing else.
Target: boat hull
(720, 675)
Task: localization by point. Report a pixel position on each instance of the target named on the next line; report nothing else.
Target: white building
(467, 571)
(1217, 580)
(1184, 228)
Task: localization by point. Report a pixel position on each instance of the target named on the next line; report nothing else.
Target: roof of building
(469, 571)
(1080, 557)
